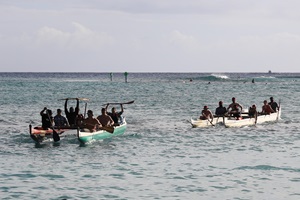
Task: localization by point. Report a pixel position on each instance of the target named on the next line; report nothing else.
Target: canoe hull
(232, 122)
(252, 121)
(206, 123)
(39, 135)
(86, 137)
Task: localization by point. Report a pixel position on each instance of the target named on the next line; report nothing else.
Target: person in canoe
(105, 119)
(47, 119)
(206, 114)
(71, 114)
(90, 122)
(221, 110)
(273, 104)
(235, 109)
(266, 108)
(252, 111)
(114, 114)
(59, 120)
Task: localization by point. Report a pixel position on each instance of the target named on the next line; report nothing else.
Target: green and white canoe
(85, 136)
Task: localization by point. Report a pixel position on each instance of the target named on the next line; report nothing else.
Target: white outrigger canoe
(233, 122)
(85, 136)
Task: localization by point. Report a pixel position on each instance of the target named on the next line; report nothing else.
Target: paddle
(129, 102)
(208, 119)
(82, 99)
(55, 135)
(109, 129)
(279, 110)
(256, 114)
(210, 122)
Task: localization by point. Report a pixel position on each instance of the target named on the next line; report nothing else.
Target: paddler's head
(49, 112)
(90, 113)
(220, 103)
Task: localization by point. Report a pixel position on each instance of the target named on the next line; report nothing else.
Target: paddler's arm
(77, 106)
(106, 106)
(66, 106)
(42, 112)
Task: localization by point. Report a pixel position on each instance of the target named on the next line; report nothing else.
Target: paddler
(72, 114)
(206, 114)
(47, 119)
(90, 122)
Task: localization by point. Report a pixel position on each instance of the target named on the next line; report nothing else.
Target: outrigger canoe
(39, 135)
(233, 122)
(85, 136)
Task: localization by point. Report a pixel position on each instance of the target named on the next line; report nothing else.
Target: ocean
(160, 156)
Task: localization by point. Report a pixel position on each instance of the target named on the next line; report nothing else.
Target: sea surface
(160, 156)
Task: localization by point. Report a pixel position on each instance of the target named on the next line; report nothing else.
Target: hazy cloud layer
(149, 36)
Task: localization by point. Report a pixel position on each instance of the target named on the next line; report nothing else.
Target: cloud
(219, 35)
(81, 37)
(186, 41)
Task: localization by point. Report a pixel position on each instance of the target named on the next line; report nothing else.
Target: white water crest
(221, 76)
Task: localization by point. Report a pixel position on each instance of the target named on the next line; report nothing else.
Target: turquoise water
(160, 156)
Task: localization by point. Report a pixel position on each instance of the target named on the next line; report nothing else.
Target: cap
(205, 107)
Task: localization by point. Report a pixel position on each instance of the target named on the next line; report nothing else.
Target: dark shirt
(273, 105)
(71, 117)
(221, 111)
(115, 116)
(60, 120)
(46, 123)
(251, 112)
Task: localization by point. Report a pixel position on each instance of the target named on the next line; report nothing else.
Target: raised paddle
(129, 102)
(81, 99)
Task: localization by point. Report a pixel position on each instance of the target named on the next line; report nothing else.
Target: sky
(149, 35)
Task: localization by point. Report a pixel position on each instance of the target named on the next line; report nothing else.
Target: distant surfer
(253, 81)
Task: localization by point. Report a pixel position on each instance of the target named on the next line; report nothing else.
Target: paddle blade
(109, 129)
(129, 102)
